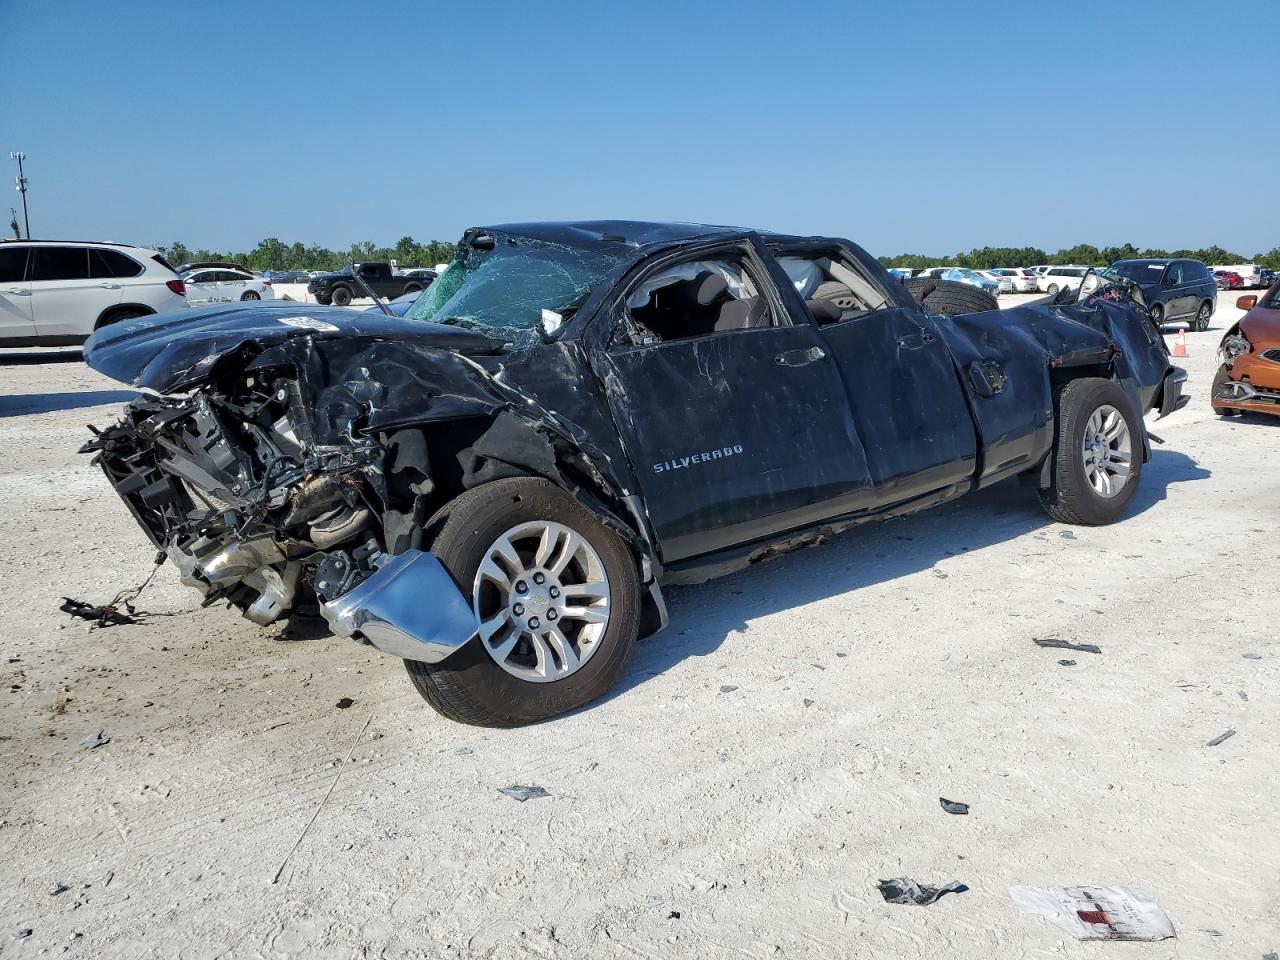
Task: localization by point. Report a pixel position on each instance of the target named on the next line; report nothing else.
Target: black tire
(115, 316)
(1053, 290)
(324, 301)
(1070, 497)
(412, 288)
(341, 297)
(1157, 314)
(949, 297)
(1219, 378)
(470, 687)
(251, 295)
(1201, 322)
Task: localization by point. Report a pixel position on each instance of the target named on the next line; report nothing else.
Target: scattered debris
(58, 889)
(905, 890)
(808, 702)
(325, 799)
(841, 653)
(463, 752)
(673, 915)
(1211, 932)
(106, 882)
(940, 575)
(96, 738)
(1067, 535)
(23, 933)
(728, 688)
(1097, 913)
(1220, 738)
(953, 806)
(1066, 663)
(1253, 656)
(344, 703)
(1242, 695)
(1065, 644)
(517, 792)
(105, 616)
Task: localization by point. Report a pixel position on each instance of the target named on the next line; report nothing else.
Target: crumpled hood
(174, 351)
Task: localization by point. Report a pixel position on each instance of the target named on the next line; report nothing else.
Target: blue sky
(903, 126)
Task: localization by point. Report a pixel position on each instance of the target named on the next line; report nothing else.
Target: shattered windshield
(514, 290)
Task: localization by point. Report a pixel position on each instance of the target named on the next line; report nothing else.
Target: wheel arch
(109, 314)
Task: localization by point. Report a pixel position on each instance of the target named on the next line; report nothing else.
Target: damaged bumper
(409, 608)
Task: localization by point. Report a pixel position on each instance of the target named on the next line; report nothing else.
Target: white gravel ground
(780, 748)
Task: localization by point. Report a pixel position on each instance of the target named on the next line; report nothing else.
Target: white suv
(56, 293)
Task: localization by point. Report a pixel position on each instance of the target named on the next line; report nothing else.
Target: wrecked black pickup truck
(494, 487)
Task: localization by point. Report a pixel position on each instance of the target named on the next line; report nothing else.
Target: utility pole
(22, 187)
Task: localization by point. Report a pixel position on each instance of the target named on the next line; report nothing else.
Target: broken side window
(697, 298)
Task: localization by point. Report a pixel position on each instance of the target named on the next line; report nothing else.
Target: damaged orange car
(1249, 375)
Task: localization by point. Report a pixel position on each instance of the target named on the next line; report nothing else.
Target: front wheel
(1053, 289)
(251, 295)
(341, 296)
(1097, 454)
(555, 593)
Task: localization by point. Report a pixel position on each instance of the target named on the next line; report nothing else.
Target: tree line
(1085, 254)
(274, 254)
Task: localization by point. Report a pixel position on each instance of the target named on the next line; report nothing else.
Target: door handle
(109, 286)
(19, 293)
(914, 341)
(799, 358)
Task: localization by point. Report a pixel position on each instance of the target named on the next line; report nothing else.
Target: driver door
(734, 420)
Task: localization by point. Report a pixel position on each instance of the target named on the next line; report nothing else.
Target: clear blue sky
(904, 126)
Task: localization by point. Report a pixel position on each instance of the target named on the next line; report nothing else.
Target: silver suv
(56, 293)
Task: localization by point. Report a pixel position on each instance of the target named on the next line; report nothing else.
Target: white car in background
(57, 292)
(1005, 284)
(1055, 278)
(221, 285)
(1022, 279)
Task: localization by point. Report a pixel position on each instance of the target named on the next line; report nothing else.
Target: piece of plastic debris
(728, 688)
(1097, 913)
(1066, 663)
(96, 738)
(953, 806)
(1067, 535)
(1065, 644)
(1226, 735)
(808, 702)
(1253, 656)
(462, 752)
(108, 615)
(673, 915)
(517, 792)
(58, 889)
(344, 703)
(1242, 695)
(907, 891)
(23, 933)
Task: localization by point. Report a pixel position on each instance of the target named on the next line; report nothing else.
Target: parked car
(971, 278)
(1269, 277)
(342, 287)
(56, 293)
(223, 286)
(1053, 279)
(1250, 274)
(1248, 376)
(495, 487)
(1174, 290)
(289, 276)
(1004, 284)
(418, 273)
(1228, 280)
(1021, 279)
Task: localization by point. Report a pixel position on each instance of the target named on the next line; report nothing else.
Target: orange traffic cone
(1180, 345)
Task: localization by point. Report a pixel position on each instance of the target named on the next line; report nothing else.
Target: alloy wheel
(1107, 451)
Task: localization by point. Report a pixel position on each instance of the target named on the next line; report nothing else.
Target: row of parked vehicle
(57, 293)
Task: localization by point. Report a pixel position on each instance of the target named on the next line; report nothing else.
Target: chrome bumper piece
(410, 608)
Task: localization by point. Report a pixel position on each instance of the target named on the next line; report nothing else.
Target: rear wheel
(1157, 314)
(127, 313)
(555, 593)
(1053, 290)
(341, 296)
(1097, 454)
(946, 296)
(1202, 317)
(251, 295)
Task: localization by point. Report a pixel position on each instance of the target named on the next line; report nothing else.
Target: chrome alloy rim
(1107, 451)
(541, 597)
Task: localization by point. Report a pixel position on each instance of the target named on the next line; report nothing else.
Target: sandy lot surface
(777, 750)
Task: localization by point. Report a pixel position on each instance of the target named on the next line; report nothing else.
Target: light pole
(22, 187)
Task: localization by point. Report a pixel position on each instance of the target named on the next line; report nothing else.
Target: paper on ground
(1097, 913)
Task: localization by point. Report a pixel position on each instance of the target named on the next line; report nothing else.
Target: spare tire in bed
(947, 296)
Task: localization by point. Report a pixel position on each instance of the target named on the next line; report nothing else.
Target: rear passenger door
(15, 295)
(734, 419)
(65, 300)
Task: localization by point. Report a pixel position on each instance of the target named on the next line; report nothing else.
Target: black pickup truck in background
(342, 287)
